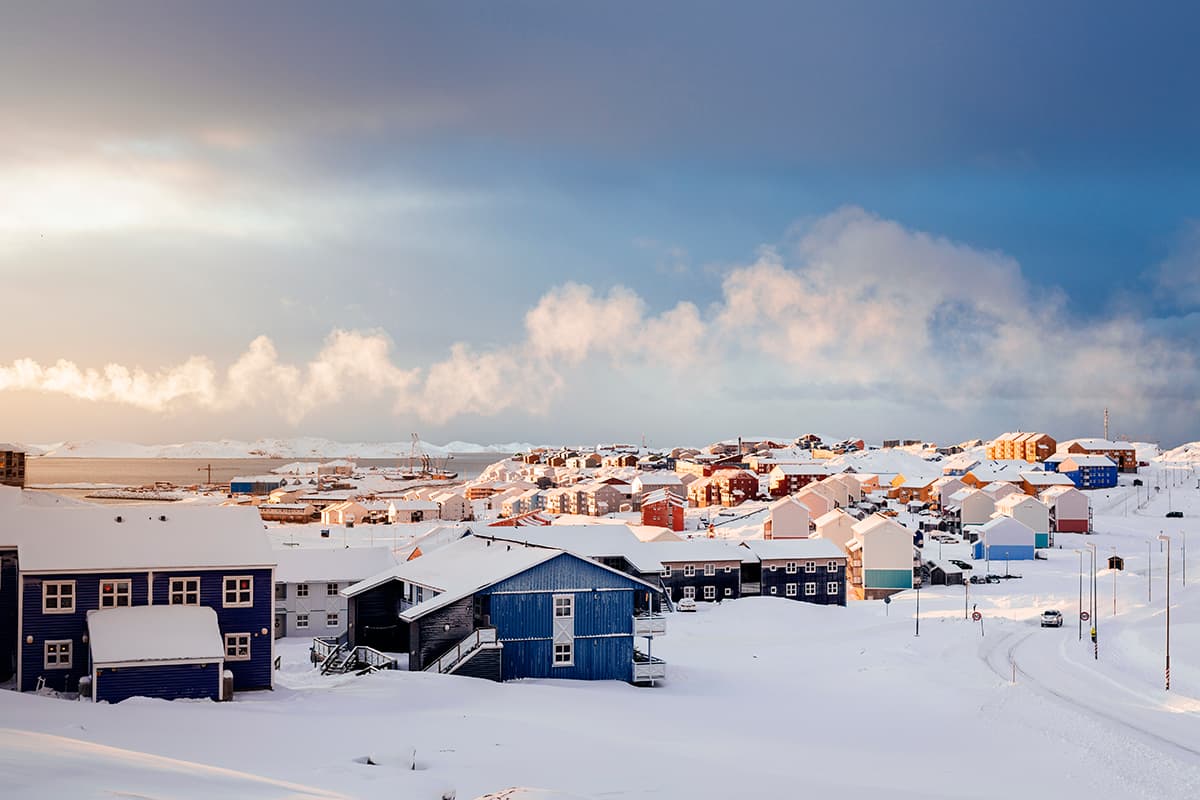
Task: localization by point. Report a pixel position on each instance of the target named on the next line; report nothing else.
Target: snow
(795, 548)
(88, 537)
(328, 564)
(590, 541)
(154, 633)
(307, 447)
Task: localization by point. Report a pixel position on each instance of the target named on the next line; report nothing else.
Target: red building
(663, 509)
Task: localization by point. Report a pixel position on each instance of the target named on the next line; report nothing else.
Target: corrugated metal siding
(252, 674)
(169, 681)
(595, 660)
(1005, 552)
(73, 626)
(564, 572)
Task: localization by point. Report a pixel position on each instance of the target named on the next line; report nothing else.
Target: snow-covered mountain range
(306, 447)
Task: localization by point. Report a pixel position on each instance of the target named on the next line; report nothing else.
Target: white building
(308, 584)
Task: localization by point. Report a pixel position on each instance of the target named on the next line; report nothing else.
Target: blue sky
(180, 179)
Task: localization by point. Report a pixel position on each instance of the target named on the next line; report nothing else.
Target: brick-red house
(664, 509)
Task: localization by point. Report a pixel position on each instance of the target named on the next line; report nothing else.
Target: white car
(686, 604)
(1052, 619)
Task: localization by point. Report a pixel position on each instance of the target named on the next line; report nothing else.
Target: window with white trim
(689, 591)
(116, 594)
(790, 568)
(689, 570)
(239, 591)
(184, 592)
(831, 587)
(810, 566)
(331, 589)
(810, 590)
(728, 570)
(728, 592)
(301, 590)
(302, 620)
(773, 568)
(564, 605)
(774, 590)
(331, 619)
(832, 566)
(58, 597)
(790, 590)
(56, 654)
(237, 647)
(710, 570)
(666, 573)
(710, 593)
(564, 654)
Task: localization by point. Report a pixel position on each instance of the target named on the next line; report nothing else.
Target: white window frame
(790, 590)
(237, 591)
(332, 589)
(564, 601)
(728, 570)
(564, 654)
(301, 590)
(236, 641)
(810, 566)
(689, 570)
(774, 590)
(710, 570)
(832, 587)
(57, 595)
(710, 593)
(832, 566)
(728, 592)
(301, 621)
(689, 591)
(183, 591)
(773, 568)
(810, 589)
(63, 658)
(122, 588)
(333, 619)
(790, 568)
(666, 572)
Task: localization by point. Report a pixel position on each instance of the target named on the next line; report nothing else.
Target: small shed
(1116, 562)
(168, 652)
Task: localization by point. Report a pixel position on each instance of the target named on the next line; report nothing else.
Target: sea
(78, 473)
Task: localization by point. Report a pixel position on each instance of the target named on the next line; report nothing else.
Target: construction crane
(206, 468)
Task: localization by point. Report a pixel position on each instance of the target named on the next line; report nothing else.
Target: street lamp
(1095, 622)
(1080, 615)
(1167, 671)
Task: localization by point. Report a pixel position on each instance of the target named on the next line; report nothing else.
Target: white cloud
(854, 307)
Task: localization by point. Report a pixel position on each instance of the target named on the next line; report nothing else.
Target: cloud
(852, 307)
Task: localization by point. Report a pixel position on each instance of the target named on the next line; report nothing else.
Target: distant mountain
(302, 448)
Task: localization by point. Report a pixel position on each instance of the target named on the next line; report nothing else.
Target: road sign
(1085, 616)
(887, 601)
(976, 616)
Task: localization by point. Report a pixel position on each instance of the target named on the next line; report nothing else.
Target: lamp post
(1080, 615)
(1149, 569)
(1114, 572)
(1167, 669)
(918, 631)
(1095, 622)
(1184, 535)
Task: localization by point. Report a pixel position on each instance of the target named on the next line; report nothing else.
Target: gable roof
(589, 541)
(316, 564)
(774, 549)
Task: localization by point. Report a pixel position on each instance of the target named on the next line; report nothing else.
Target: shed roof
(154, 633)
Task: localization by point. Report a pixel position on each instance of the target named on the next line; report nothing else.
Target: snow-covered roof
(259, 479)
(154, 633)
(1047, 479)
(1094, 444)
(775, 549)
(1089, 461)
(316, 564)
(1015, 499)
(139, 537)
(411, 505)
(831, 517)
(590, 541)
(691, 550)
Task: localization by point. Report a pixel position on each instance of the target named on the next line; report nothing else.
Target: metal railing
(455, 655)
(646, 624)
(647, 668)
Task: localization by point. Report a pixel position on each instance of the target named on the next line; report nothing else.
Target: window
(810, 566)
(773, 568)
(301, 590)
(58, 597)
(831, 587)
(185, 592)
(689, 591)
(666, 573)
(114, 594)
(564, 655)
(790, 590)
(774, 590)
(710, 570)
(728, 570)
(564, 605)
(331, 619)
(302, 620)
(57, 654)
(728, 592)
(281, 591)
(239, 590)
(237, 647)
(710, 593)
(331, 590)
(689, 570)
(831, 566)
(790, 569)
(810, 590)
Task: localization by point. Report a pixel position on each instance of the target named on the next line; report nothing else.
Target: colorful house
(1005, 539)
(663, 508)
(1089, 472)
(789, 519)
(808, 570)
(1031, 512)
(1122, 454)
(836, 526)
(881, 558)
(1070, 509)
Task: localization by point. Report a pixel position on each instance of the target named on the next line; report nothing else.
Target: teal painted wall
(887, 578)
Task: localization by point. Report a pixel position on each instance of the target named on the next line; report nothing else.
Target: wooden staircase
(457, 656)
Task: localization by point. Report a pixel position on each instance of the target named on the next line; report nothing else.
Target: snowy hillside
(308, 447)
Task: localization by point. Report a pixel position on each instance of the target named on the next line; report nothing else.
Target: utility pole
(1167, 671)
(1080, 615)
(1095, 622)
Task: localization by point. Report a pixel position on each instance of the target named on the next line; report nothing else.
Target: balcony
(647, 669)
(649, 625)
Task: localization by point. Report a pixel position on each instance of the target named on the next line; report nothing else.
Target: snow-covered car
(1052, 619)
(686, 604)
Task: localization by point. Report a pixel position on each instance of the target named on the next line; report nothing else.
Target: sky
(589, 222)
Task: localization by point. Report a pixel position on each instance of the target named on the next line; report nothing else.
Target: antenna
(1106, 422)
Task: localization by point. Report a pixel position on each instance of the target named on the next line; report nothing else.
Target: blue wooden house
(1089, 472)
(501, 610)
(1005, 539)
(72, 561)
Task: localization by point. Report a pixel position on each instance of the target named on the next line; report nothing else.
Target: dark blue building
(1089, 472)
(72, 561)
(500, 610)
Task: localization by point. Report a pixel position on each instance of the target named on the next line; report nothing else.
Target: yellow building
(1022, 446)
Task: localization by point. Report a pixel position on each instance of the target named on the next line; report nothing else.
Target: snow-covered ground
(765, 697)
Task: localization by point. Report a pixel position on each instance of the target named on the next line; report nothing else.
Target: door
(563, 645)
(280, 624)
